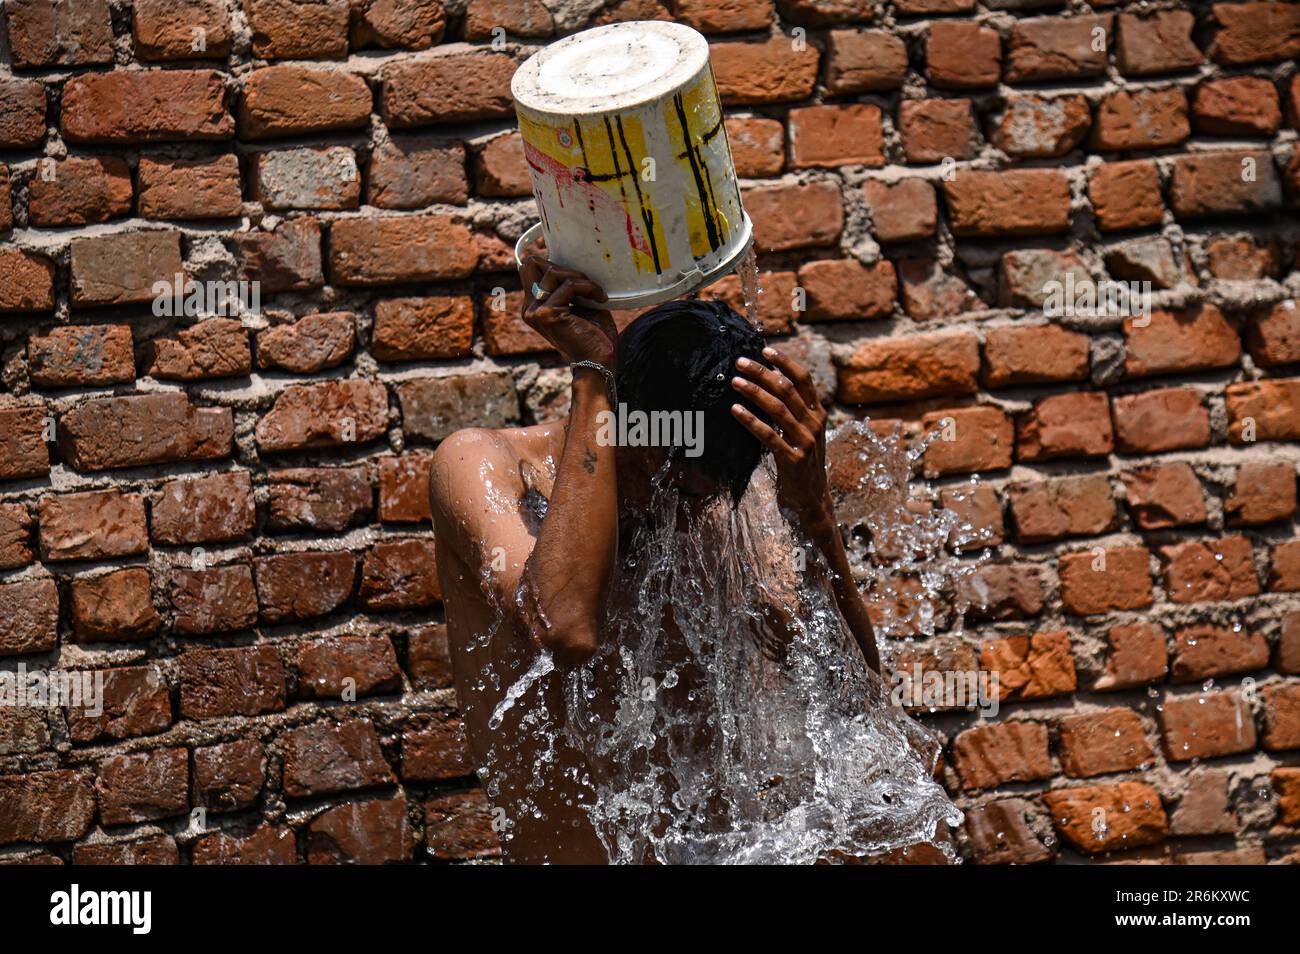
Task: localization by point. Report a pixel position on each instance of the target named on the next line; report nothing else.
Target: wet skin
(545, 583)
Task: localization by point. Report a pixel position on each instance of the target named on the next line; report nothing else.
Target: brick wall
(227, 516)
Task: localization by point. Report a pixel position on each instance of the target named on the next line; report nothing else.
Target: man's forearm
(572, 562)
(825, 534)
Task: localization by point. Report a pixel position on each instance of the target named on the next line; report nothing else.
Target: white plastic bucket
(631, 168)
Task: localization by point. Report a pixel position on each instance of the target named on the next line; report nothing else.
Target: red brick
(1215, 183)
(1255, 33)
(29, 617)
(328, 414)
(400, 575)
(428, 657)
(114, 607)
(22, 442)
(131, 106)
(326, 499)
(79, 190)
(26, 281)
(831, 136)
(165, 29)
(1033, 354)
(320, 177)
(1287, 783)
(1284, 569)
(404, 488)
(310, 344)
(371, 832)
(1098, 743)
(299, 29)
(347, 667)
(1142, 119)
(434, 750)
(411, 173)
(778, 302)
(1273, 334)
(124, 267)
(1031, 667)
(415, 329)
(1054, 48)
(265, 845)
(757, 146)
(1164, 420)
(143, 785)
(434, 408)
(142, 429)
(1202, 571)
(50, 33)
(1101, 580)
(1126, 195)
(1288, 644)
(989, 756)
(979, 515)
(1204, 651)
(92, 526)
(244, 680)
(286, 259)
(1042, 126)
(962, 55)
(999, 591)
(298, 100)
(229, 776)
(81, 356)
(795, 216)
(1102, 818)
(150, 850)
(1237, 106)
(1204, 808)
(1000, 834)
(1065, 425)
(217, 600)
(297, 586)
(768, 72)
(516, 17)
(324, 758)
(901, 211)
(1026, 276)
(1269, 409)
(1069, 506)
(407, 249)
(135, 702)
(215, 348)
(971, 439)
(460, 826)
(453, 88)
(48, 806)
(500, 170)
(847, 290)
(930, 292)
(1242, 259)
(1165, 496)
(1159, 43)
(901, 369)
(22, 112)
(864, 61)
(936, 129)
(15, 535)
(1281, 705)
(203, 510)
(1206, 725)
(406, 25)
(1014, 202)
(1136, 656)
(1193, 339)
(1263, 493)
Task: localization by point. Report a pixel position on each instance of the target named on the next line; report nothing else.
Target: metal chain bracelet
(611, 384)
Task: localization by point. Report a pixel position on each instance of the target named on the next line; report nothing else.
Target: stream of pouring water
(702, 732)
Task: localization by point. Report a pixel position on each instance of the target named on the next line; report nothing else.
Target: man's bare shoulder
(476, 460)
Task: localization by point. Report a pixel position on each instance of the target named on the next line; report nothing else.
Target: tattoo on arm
(589, 461)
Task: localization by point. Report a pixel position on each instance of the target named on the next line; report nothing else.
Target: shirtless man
(527, 522)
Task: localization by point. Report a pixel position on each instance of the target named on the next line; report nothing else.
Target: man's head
(680, 357)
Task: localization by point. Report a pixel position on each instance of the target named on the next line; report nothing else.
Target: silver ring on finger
(539, 293)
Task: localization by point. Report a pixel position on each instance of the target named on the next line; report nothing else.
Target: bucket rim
(692, 281)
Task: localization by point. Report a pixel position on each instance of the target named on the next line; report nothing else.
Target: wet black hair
(681, 356)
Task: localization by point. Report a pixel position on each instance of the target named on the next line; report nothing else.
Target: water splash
(728, 717)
